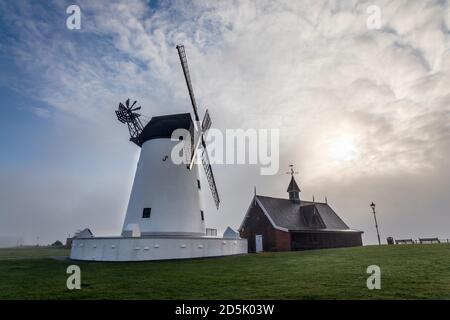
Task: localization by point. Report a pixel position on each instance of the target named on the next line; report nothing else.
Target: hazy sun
(343, 148)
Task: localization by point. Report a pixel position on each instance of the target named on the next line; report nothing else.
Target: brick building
(276, 224)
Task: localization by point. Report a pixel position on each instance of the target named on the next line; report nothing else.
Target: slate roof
(287, 214)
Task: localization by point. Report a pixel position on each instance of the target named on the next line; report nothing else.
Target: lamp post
(372, 205)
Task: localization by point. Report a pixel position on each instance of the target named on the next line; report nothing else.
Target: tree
(57, 243)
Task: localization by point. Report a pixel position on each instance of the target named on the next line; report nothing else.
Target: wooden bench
(404, 241)
(429, 240)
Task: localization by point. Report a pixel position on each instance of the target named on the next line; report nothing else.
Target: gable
(85, 233)
(230, 233)
(255, 212)
(330, 218)
(311, 217)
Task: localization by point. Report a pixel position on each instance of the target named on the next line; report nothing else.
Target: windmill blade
(122, 116)
(136, 109)
(187, 77)
(210, 177)
(206, 123)
(127, 103)
(133, 104)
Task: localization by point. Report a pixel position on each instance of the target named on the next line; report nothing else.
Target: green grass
(408, 272)
(32, 253)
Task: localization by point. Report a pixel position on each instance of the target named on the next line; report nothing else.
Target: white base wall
(154, 248)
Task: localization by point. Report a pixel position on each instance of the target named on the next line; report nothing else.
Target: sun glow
(343, 148)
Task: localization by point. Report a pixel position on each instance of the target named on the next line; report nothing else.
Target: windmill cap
(163, 126)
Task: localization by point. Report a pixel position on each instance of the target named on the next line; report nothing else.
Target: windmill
(162, 199)
(164, 218)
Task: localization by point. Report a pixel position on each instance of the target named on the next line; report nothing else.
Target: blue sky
(362, 113)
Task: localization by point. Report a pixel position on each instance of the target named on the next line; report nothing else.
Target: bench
(404, 241)
(429, 240)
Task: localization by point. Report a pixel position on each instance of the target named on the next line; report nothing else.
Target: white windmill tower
(164, 218)
(165, 198)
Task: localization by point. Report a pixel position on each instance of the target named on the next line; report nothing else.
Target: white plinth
(154, 248)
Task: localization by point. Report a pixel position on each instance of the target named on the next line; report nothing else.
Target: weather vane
(292, 171)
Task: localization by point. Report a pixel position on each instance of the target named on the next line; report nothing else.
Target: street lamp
(372, 205)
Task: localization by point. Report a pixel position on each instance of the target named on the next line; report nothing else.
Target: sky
(363, 112)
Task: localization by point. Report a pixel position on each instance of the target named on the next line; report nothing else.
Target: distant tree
(57, 243)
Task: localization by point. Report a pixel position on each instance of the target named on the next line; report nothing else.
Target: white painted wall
(230, 233)
(170, 190)
(154, 248)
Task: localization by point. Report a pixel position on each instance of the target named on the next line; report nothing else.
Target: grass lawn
(407, 272)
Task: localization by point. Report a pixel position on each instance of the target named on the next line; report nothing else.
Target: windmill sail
(187, 77)
(210, 177)
(199, 131)
(206, 123)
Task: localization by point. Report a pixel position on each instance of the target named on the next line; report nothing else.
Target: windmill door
(259, 242)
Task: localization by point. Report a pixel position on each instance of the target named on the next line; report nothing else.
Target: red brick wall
(283, 240)
(311, 240)
(273, 239)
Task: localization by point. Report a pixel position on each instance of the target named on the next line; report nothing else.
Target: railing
(211, 232)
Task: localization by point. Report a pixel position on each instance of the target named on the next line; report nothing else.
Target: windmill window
(146, 213)
(180, 138)
(202, 215)
(198, 184)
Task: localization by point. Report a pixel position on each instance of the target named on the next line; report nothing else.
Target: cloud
(42, 112)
